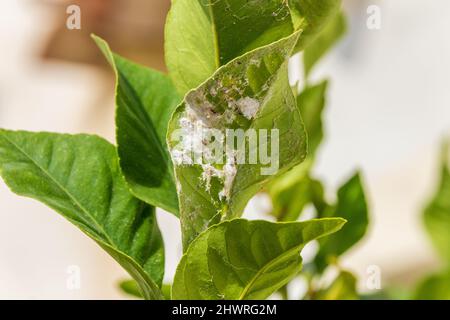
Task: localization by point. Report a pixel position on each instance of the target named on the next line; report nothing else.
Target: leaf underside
(241, 259)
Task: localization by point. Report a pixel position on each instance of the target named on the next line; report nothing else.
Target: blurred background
(388, 111)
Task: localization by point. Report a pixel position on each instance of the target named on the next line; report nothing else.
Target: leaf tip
(337, 224)
(104, 48)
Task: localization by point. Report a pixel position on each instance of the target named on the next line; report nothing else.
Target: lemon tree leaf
(202, 35)
(342, 288)
(352, 206)
(333, 31)
(295, 189)
(131, 288)
(241, 259)
(79, 177)
(250, 93)
(314, 16)
(145, 101)
(311, 103)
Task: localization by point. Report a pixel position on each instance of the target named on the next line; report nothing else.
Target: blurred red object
(134, 29)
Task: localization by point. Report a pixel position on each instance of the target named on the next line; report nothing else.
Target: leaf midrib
(73, 198)
(145, 114)
(265, 268)
(215, 36)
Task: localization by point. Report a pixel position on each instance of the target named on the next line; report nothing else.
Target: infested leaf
(251, 93)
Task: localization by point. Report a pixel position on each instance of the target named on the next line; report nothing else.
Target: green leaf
(437, 213)
(241, 259)
(79, 177)
(210, 192)
(295, 189)
(342, 288)
(145, 101)
(434, 287)
(314, 16)
(130, 287)
(311, 103)
(327, 38)
(352, 206)
(202, 35)
(288, 203)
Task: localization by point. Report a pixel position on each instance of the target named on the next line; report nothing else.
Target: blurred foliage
(298, 190)
(342, 288)
(437, 223)
(130, 287)
(331, 34)
(437, 213)
(351, 205)
(434, 287)
(311, 103)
